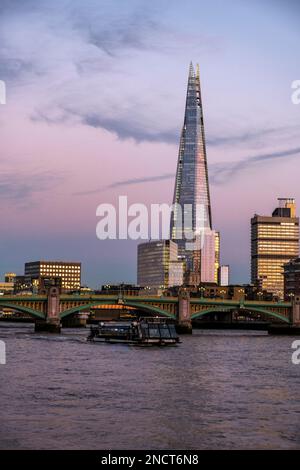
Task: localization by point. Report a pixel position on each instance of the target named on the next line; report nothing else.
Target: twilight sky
(95, 103)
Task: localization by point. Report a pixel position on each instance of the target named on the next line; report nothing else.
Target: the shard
(191, 185)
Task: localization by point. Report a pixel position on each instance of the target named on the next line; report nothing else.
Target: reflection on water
(216, 390)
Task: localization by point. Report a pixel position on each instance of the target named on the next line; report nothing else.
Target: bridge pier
(76, 320)
(183, 320)
(52, 322)
(293, 328)
(47, 326)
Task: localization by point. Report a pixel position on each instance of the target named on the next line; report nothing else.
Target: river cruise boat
(146, 331)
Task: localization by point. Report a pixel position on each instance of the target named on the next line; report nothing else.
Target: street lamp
(202, 290)
(222, 292)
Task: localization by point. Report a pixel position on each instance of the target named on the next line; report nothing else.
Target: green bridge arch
(144, 306)
(269, 313)
(147, 308)
(22, 309)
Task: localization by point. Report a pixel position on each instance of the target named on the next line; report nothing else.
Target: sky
(95, 95)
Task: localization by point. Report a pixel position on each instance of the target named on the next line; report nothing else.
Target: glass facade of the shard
(191, 193)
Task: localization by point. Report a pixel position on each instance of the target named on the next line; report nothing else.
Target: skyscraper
(192, 189)
(158, 264)
(274, 242)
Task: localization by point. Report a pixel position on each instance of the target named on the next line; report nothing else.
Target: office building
(10, 277)
(6, 287)
(39, 273)
(208, 257)
(292, 279)
(217, 256)
(119, 289)
(223, 277)
(274, 242)
(20, 284)
(158, 264)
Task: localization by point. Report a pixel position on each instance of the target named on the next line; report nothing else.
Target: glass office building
(292, 279)
(158, 264)
(192, 187)
(274, 242)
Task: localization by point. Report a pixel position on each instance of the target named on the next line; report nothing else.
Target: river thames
(216, 390)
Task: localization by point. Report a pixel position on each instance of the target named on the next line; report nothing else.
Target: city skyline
(64, 126)
(149, 280)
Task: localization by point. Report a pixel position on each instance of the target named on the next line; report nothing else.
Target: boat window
(154, 332)
(145, 332)
(165, 333)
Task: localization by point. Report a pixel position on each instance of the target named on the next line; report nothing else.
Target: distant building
(205, 261)
(217, 255)
(68, 272)
(6, 287)
(158, 264)
(292, 279)
(208, 257)
(213, 291)
(192, 278)
(274, 242)
(10, 277)
(225, 292)
(118, 289)
(176, 272)
(45, 282)
(86, 290)
(20, 285)
(223, 275)
(17, 281)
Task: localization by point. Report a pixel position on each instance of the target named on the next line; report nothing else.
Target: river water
(216, 390)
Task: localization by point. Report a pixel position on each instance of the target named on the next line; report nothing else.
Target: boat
(145, 331)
